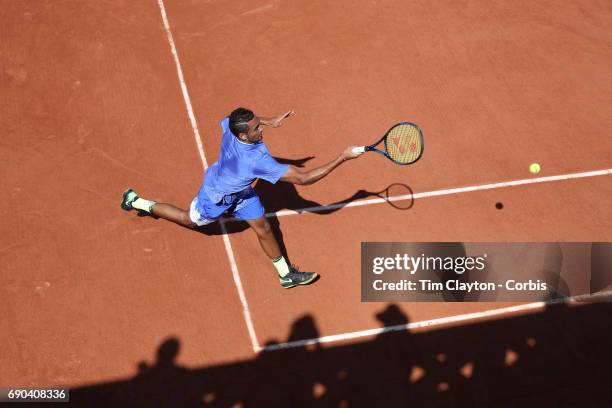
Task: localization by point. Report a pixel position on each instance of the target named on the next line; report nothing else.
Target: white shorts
(195, 215)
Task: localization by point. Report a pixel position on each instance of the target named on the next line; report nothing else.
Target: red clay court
(101, 96)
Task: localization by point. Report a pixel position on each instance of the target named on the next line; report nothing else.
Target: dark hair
(238, 120)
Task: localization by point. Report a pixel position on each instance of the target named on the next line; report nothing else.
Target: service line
(436, 193)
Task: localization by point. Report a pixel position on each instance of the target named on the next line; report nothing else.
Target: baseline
(437, 322)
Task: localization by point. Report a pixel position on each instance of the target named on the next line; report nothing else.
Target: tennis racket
(402, 144)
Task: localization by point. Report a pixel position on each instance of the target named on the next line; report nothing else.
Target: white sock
(281, 266)
(143, 205)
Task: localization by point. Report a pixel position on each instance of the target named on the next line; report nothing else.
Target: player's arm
(275, 121)
(296, 175)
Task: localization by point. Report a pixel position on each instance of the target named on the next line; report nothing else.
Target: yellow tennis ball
(534, 168)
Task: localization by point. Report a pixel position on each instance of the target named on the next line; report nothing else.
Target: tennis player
(227, 189)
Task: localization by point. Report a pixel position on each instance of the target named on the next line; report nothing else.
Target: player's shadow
(284, 196)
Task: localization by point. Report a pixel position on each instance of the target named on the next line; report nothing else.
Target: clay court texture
(99, 96)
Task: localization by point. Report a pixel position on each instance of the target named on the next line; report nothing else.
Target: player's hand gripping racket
(403, 144)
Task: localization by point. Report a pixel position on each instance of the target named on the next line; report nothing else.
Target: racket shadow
(398, 195)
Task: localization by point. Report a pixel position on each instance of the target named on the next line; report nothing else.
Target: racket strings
(404, 143)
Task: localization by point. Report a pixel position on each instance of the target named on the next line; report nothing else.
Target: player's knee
(263, 228)
(186, 221)
(267, 228)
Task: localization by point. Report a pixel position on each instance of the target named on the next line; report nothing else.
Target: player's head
(245, 125)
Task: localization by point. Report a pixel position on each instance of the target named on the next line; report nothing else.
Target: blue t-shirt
(238, 166)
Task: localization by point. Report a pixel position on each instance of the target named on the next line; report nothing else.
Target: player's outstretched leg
(289, 276)
(131, 201)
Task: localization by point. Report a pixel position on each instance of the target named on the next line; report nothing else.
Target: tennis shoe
(129, 196)
(295, 277)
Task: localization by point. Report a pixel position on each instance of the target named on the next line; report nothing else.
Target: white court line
(433, 322)
(226, 241)
(179, 70)
(436, 193)
(245, 306)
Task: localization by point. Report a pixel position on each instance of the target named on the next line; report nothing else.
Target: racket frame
(372, 147)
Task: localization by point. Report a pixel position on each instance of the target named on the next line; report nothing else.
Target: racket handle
(359, 149)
